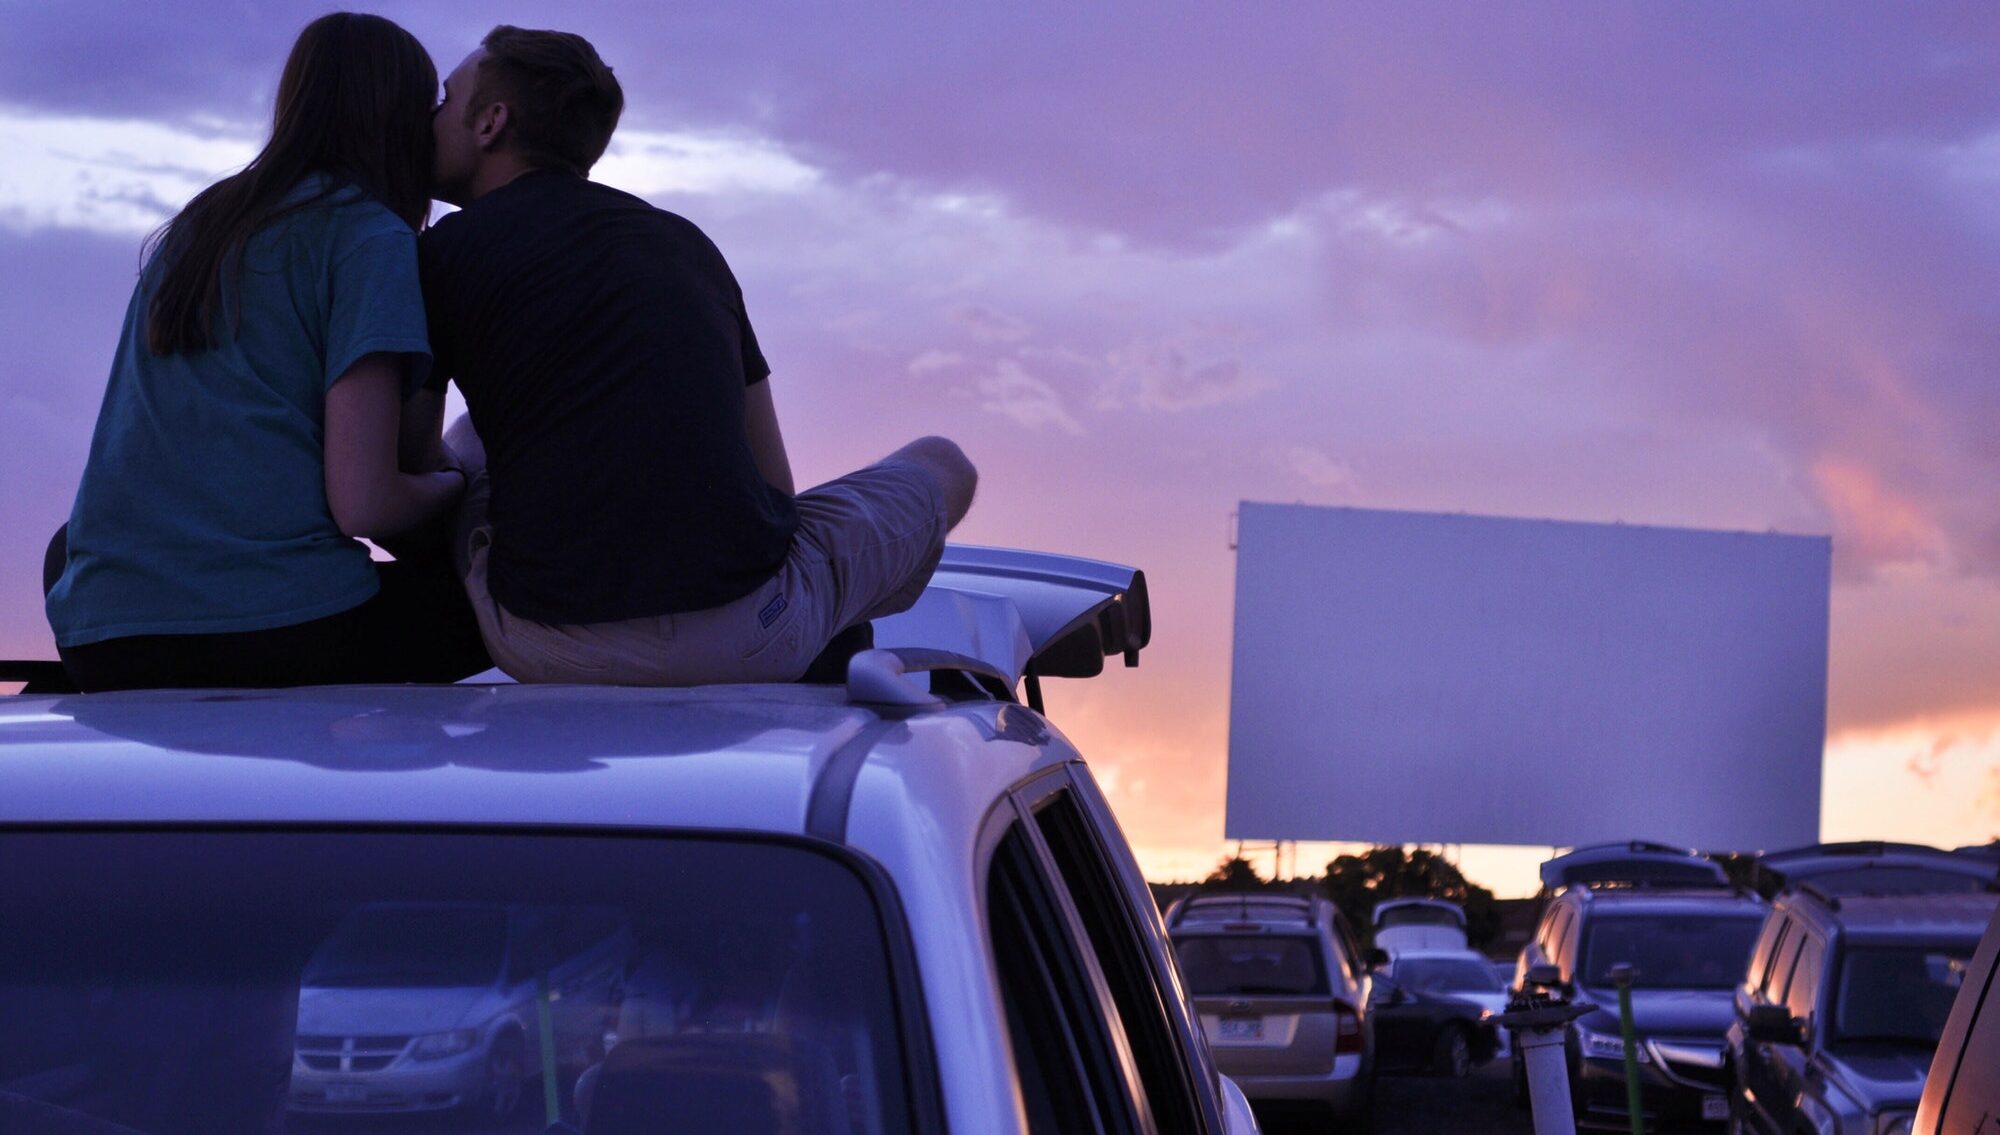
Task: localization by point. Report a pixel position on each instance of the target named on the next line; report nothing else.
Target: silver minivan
(891, 905)
(427, 1006)
(1282, 987)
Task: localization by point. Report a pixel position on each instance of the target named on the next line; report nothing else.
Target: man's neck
(496, 171)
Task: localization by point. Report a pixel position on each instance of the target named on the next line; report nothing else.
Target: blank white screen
(1413, 678)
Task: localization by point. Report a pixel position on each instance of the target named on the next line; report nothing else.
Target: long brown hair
(354, 104)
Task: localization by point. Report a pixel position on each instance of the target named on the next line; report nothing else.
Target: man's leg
(881, 529)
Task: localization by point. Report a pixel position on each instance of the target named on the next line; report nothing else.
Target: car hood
(392, 1012)
(1884, 1075)
(1701, 1013)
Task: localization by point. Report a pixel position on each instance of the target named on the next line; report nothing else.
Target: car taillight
(1347, 1031)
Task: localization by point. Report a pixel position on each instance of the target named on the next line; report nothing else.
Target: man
(634, 520)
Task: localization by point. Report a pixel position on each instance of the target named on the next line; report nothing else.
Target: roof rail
(1830, 901)
(879, 679)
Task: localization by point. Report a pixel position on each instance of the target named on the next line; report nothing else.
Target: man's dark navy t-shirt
(603, 350)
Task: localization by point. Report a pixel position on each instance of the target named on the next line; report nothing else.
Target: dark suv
(1673, 916)
(1845, 998)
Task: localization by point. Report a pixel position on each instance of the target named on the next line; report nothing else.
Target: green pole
(1622, 977)
(551, 1103)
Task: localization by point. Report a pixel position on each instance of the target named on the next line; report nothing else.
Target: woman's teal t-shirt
(203, 504)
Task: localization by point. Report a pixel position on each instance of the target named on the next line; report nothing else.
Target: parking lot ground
(1480, 1104)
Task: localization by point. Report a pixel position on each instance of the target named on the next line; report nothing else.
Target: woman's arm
(366, 490)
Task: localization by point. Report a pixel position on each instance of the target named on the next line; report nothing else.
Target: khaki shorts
(865, 547)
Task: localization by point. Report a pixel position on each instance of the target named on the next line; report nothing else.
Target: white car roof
(781, 758)
(729, 757)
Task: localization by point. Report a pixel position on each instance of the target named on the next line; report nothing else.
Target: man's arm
(767, 445)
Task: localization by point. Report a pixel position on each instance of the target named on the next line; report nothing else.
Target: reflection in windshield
(405, 945)
(1897, 994)
(1670, 951)
(269, 982)
(1221, 965)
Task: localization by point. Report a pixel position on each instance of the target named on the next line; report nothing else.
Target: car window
(1897, 994)
(326, 971)
(1781, 969)
(1553, 931)
(1669, 951)
(1416, 916)
(1070, 1069)
(411, 945)
(1122, 958)
(1352, 965)
(1804, 986)
(1446, 975)
(1760, 958)
(1563, 950)
(1251, 965)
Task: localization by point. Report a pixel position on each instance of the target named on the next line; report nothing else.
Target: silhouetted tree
(1234, 874)
(1357, 882)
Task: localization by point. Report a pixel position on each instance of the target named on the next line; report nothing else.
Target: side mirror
(1773, 1024)
(1376, 957)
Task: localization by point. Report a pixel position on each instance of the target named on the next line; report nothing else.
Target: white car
(897, 904)
(1418, 924)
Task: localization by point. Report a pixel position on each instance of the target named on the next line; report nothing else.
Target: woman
(254, 427)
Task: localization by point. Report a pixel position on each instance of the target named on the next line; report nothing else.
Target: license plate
(1241, 1028)
(1714, 1107)
(346, 1093)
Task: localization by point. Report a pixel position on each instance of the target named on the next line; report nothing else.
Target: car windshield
(1226, 965)
(1446, 975)
(1898, 994)
(1416, 916)
(174, 982)
(410, 945)
(1670, 951)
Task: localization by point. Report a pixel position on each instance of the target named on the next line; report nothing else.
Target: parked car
(1845, 998)
(1962, 1090)
(419, 1006)
(1433, 1011)
(1673, 916)
(1281, 984)
(893, 904)
(1419, 924)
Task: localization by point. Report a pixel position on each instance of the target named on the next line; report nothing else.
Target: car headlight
(437, 1046)
(1895, 1123)
(1604, 1046)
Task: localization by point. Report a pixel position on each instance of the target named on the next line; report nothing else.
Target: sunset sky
(1696, 264)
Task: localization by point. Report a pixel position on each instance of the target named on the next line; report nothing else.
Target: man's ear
(491, 126)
